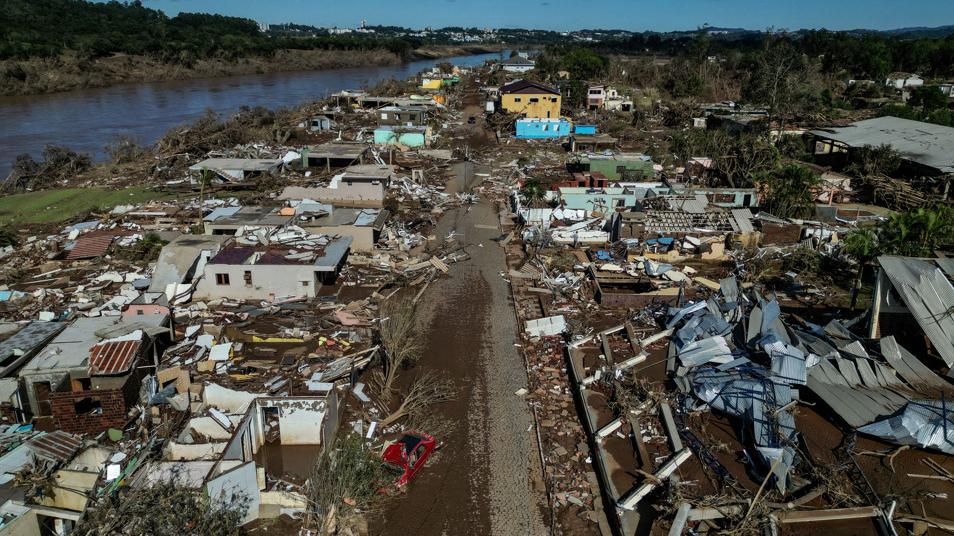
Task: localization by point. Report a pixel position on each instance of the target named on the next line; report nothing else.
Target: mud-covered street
(486, 479)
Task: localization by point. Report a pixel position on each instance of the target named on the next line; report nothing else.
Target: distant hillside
(922, 32)
(43, 28)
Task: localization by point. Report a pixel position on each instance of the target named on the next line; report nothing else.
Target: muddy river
(88, 120)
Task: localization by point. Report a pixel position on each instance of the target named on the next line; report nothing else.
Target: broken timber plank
(671, 429)
(679, 522)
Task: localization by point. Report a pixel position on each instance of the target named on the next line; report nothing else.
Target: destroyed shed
(335, 155)
(239, 169)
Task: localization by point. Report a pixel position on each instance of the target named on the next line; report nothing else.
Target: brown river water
(88, 120)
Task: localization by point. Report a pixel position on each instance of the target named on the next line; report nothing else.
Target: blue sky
(660, 15)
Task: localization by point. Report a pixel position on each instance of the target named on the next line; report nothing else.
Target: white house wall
(300, 422)
(228, 400)
(268, 282)
(198, 451)
(238, 484)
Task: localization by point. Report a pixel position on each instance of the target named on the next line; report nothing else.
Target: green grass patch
(52, 206)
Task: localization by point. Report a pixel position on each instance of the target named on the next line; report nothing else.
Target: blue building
(542, 128)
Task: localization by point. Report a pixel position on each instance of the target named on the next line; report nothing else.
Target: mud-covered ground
(486, 479)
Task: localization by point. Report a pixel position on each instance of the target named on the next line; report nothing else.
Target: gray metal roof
(929, 296)
(240, 164)
(912, 370)
(333, 253)
(925, 143)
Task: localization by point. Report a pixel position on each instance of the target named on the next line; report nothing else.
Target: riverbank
(70, 72)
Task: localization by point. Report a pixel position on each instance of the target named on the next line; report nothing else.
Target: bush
(163, 508)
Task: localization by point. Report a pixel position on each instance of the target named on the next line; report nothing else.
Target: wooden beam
(835, 514)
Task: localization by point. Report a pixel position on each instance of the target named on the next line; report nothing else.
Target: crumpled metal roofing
(58, 446)
(929, 296)
(737, 386)
(925, 423)
(750, 393)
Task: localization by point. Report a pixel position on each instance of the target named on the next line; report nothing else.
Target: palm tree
(204, 179)
(863, 246)
(533, 193)
(789, 191)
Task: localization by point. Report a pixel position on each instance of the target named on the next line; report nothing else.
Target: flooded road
(88, 120)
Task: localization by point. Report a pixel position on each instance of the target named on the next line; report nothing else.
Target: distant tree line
(31, 28)
(859, 55)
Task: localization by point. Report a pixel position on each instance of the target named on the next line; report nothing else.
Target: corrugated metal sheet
(789, 364)
(88, 247)
(928, 295)
(58, 446)
(110, 358)
(924, 423)
(743, 220)
(838, 384)
(748, 394)
(947, 265)
(911, 369)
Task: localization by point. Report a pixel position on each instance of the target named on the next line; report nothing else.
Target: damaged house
(335, 155)
(912, 301)
(273, 271)
(182, 262)
(239, 169)
(249, 448)
(362, 225)
(88, 378)
(358, 187)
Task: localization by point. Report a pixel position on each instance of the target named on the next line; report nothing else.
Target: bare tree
(783, 79)
(427, 390)
(401, 341)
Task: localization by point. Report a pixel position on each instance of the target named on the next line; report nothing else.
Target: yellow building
(530, 99)
(431, 83)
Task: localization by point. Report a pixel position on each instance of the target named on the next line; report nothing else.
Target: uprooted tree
(428, 389)
(402, 345)
(58, 164)
(164, 508)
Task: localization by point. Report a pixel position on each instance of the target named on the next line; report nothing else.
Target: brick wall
(113, 413)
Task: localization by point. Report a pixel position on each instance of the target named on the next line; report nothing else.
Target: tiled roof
(57, 446)
(113, 357)
(521, 85)
(88, 247)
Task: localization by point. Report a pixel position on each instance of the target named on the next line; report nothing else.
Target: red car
(407, 455)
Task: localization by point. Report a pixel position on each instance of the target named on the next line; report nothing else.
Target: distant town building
(903, 80)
